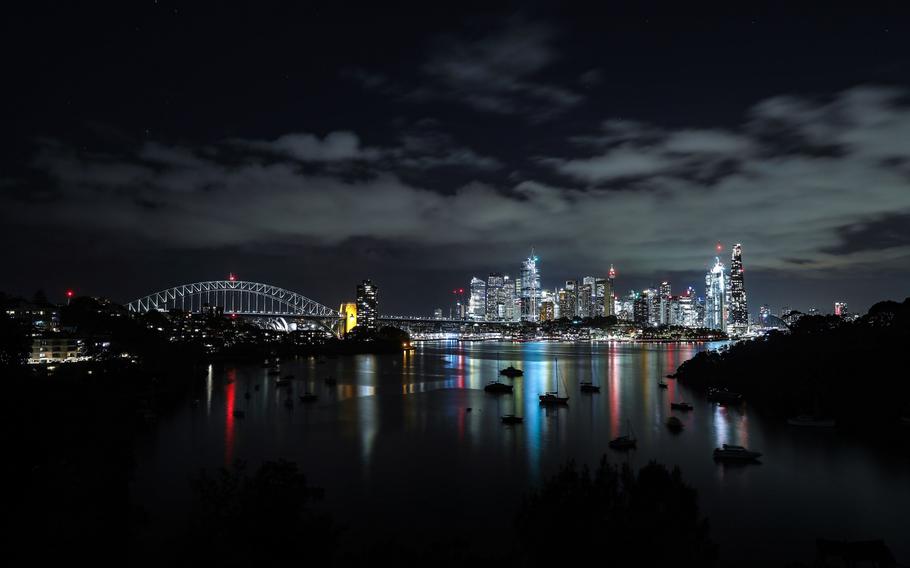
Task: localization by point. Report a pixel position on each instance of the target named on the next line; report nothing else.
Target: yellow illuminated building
(349, 310)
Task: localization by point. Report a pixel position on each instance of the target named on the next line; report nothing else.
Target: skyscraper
(586, 299)
(600, 297)
(568, 297)
(688, 312)
(496, 297)
(664, 303)
(610, 293)
(840, 309)
(716, 297)
(477, 303)
(530, 288)
(367, 305)
(739, 312)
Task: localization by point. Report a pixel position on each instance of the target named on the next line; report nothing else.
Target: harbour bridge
(271, 305)
(268, 305)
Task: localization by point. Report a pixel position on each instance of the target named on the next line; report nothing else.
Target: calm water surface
(394, 446)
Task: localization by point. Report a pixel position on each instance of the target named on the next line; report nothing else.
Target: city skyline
(423, 149)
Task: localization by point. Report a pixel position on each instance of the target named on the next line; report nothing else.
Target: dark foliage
(850, 371)
(648, 519)
(263, 519)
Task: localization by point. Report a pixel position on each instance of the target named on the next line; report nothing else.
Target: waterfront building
(368, 305)
(738, 311)
(56, 348)
(349, 312)
(716, 308)
(569, 306)
(437, 313)
(530, 288)
(477, 302)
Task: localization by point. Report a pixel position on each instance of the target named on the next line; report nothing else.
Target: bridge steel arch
(239, 297)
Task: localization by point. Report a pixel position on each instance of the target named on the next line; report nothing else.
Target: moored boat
(662, 385)
(589, 387)
(307, 397)
(497, 387)
(729, 452)
(810, 421)
(512, 419)
(626, 441)
(681, 405)
(511, 372)
(553, 398)
(674, 424)
(724, 396)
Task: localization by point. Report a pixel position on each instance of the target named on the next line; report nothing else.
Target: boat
(553, 398)
(626, 441)
(589, 386)
(282, 383)
(497, 387)
(674, 424)
(812, 422)
(661, 384)
(729, 452)
(307, 397)
(724, 396)
(331, 381)
(681, 405)
(512, 419)
(671, 376)
(239, 414)
(511, 372)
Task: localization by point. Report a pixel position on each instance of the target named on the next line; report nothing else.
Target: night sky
(312, 145)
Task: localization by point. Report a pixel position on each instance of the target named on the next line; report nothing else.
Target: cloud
(496, 72)
(335, 146)
(797, 212)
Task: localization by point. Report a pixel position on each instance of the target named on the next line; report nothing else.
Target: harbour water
(395, 445)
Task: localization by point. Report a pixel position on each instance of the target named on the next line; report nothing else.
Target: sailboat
(511, 418)
(589, 386)
(496, 386)
(626, 441)
(553, 398)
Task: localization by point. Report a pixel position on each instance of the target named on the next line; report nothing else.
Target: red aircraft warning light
(70, 293)
(232, 277)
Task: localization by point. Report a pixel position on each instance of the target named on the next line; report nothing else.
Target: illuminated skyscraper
(610, 293)
(716, 297)
(530, 288)
(840, 309)
(586, 299)
(601, 297)
(663, 317)
(497, 297)
(477, 303)
(367, 305)
(688, 312)
(739, 312)
(568, 298)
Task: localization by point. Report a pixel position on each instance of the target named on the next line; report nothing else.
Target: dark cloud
(885, 232)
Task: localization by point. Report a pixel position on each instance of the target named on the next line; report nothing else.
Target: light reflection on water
(395, 434)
